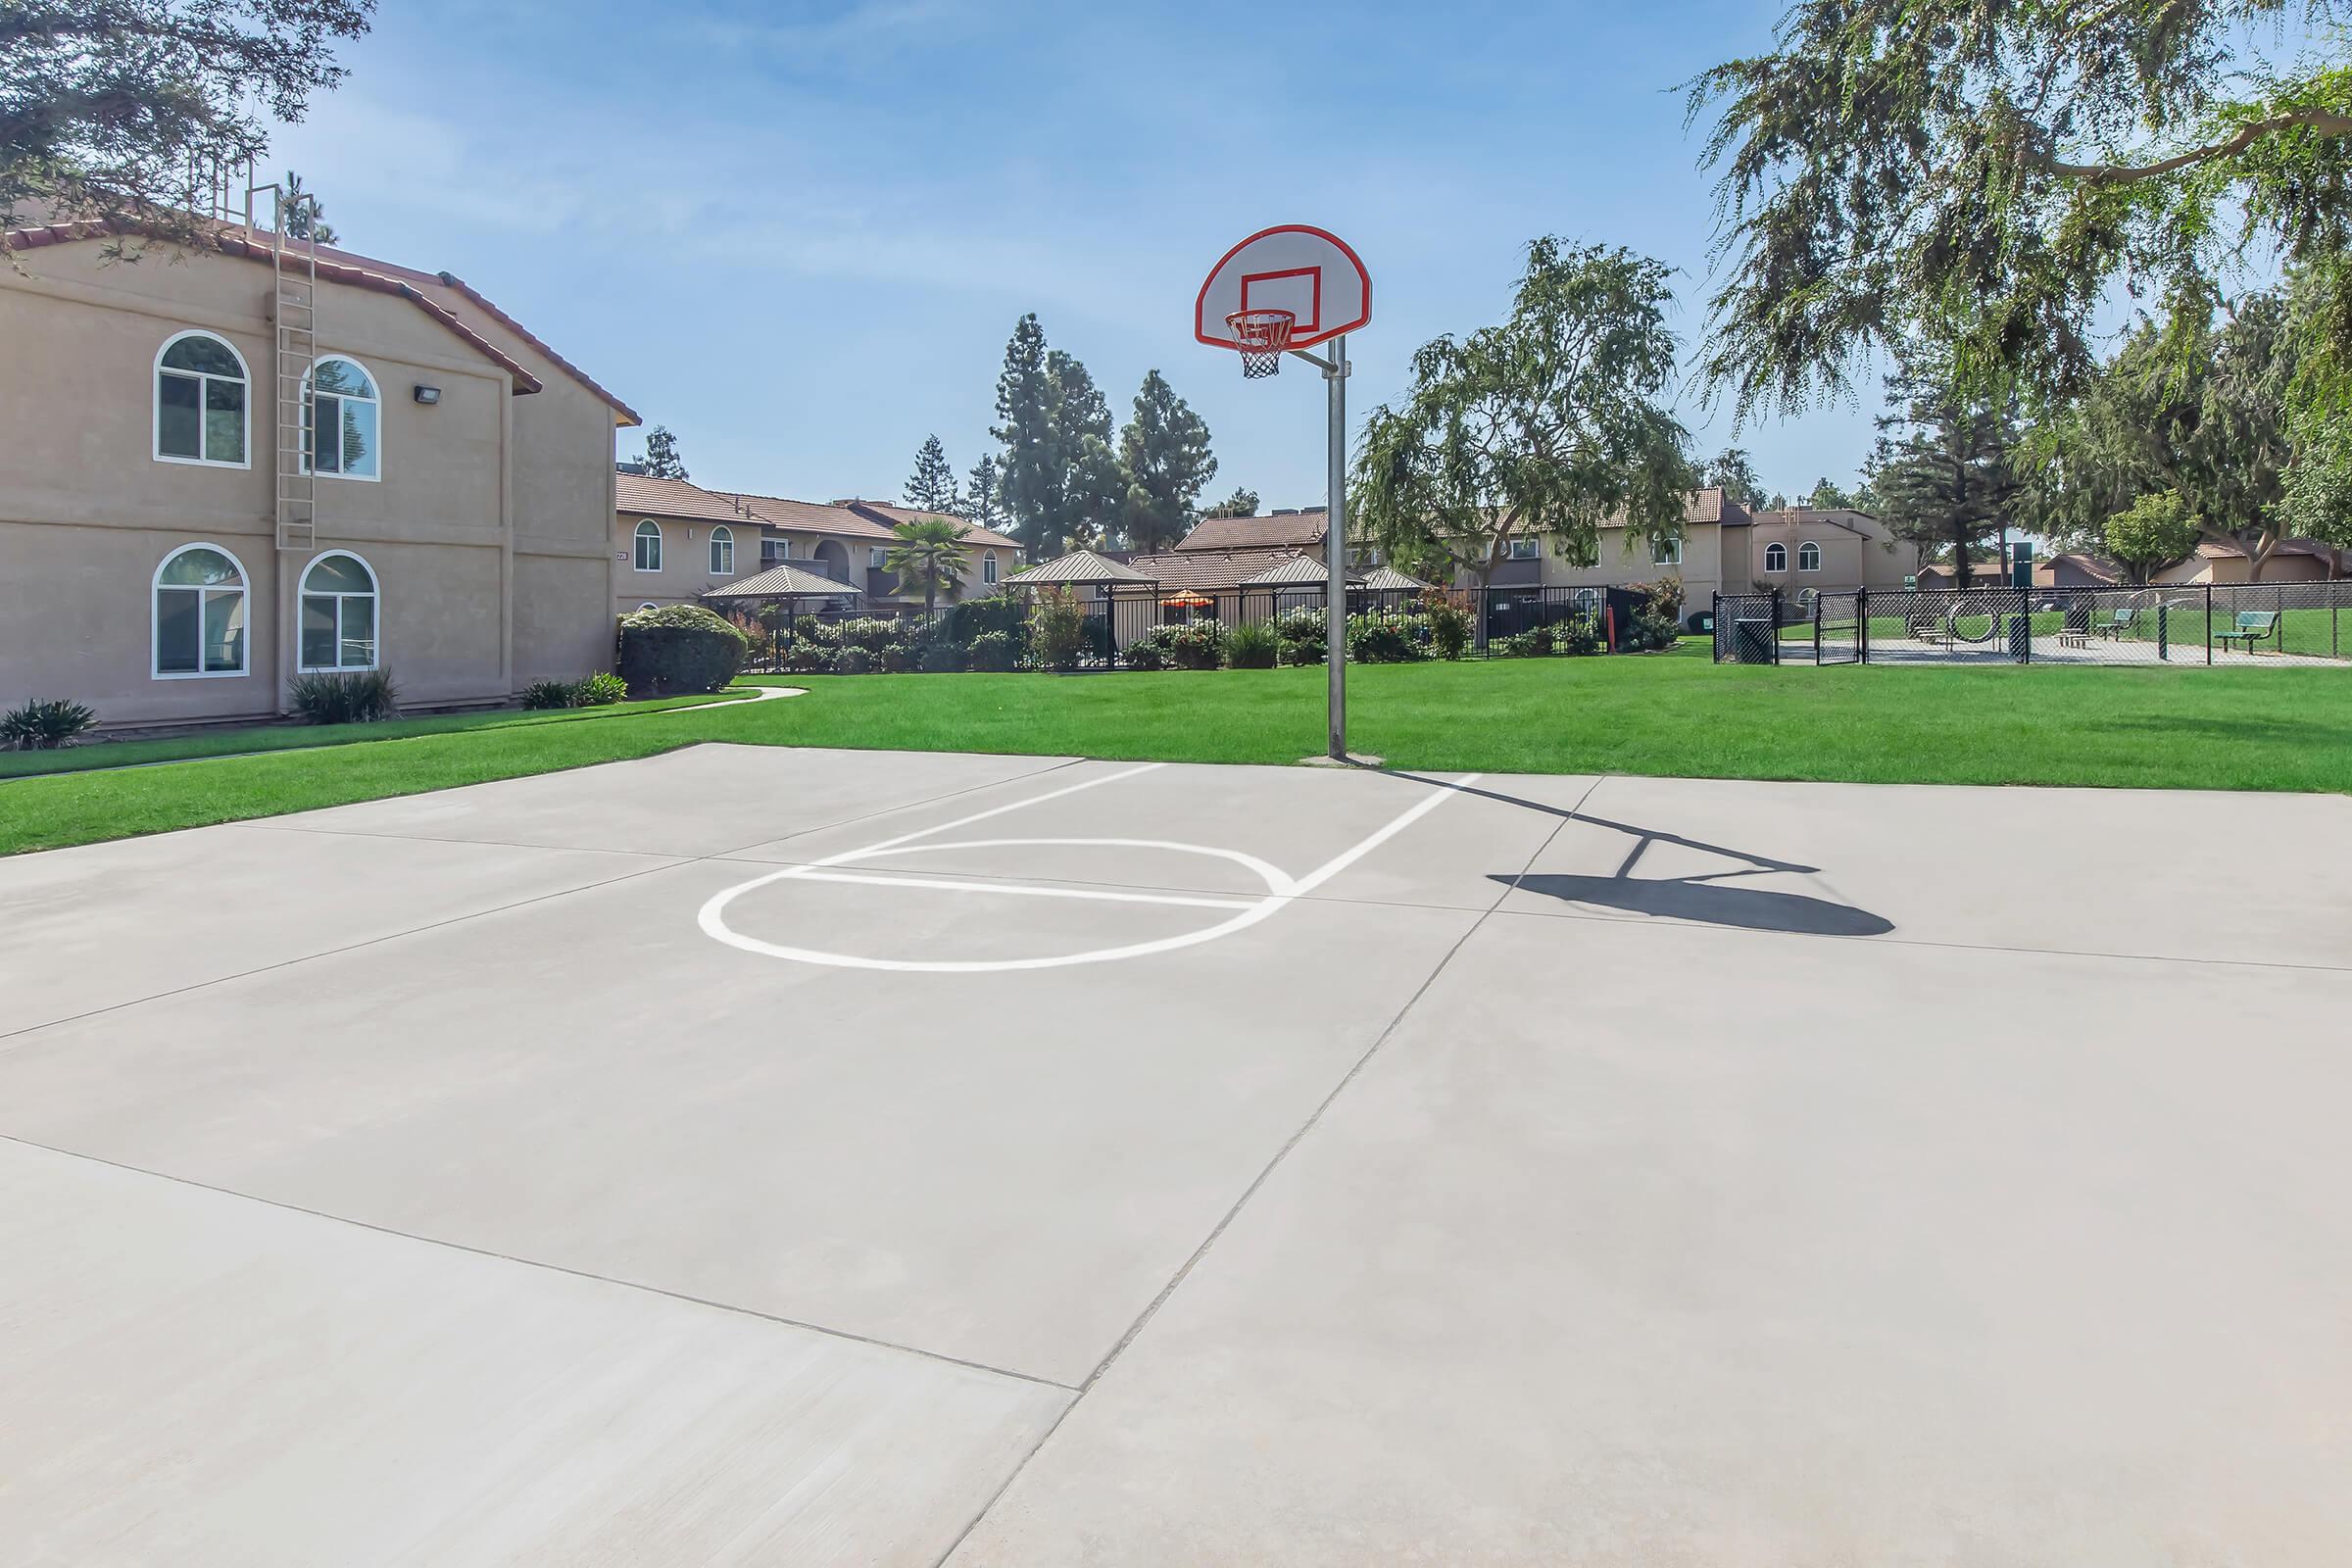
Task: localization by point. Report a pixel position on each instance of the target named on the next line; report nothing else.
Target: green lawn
(1674, 714)
(308, 737)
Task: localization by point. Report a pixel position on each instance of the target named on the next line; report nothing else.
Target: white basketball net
(1262, 336)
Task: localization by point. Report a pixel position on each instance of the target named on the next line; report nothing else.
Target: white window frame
(155, 395)
(1525, 549)
(1587, 601)
(310, 416)
(875, 557)
(1666, 552)
(649, 605)
(1810, 550)
(722, 535)
(155, 619)
(988, 567)
(1776, 548)
(374, 594)
(637, 538)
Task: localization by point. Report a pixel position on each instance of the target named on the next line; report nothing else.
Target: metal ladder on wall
(294, 316)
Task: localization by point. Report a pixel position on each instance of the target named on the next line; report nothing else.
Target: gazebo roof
(1078, 567)
(784, 582)
(1392, 580)
(1296, 569)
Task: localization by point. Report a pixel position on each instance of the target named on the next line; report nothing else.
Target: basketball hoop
(1262, 336)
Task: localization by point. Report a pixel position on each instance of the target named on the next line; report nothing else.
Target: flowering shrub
(1302, 635)
(1450, 623)
(1184, 645)
(1386, 639)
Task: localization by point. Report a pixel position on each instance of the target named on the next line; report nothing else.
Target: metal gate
(1837, 629)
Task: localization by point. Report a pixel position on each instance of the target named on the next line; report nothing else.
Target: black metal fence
(1502, 621)
(2238, 625)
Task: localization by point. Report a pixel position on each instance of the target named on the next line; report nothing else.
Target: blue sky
(800, 235)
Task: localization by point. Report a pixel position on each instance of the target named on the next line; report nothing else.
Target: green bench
(2116, 623)
(2253, 626)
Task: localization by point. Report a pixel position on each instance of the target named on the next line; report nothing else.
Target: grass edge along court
(1674, 714)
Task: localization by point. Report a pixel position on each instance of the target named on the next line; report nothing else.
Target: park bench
(1930, 627)
(2253, 626)
(2116, 623)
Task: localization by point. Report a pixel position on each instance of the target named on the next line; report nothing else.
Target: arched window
(343, 433)
(1775, 558)
(988, 566)
(649, 605)
(1808, 557)
(1587, 601)
(199, 617)
(723, 551)
(338, 613)
(649, 546)
(200, 384)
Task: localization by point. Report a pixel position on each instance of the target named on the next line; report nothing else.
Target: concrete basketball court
(765, 1156)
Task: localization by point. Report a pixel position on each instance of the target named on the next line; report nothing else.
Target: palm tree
(930, 551)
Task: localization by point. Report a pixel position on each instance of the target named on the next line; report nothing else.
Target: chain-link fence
(2269, 625)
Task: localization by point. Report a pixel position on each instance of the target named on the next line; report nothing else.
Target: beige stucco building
(674, 541)
(1726, 550)
(1711, 556)
(1829, 550)
(457, 531)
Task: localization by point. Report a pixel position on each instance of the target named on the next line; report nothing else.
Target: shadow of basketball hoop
(1709, 903)
(1707, 899)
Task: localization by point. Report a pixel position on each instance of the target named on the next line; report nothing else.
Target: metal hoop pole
(1334, 548)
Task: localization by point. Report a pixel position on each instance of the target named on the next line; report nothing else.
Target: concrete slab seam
(553, 1268)
(1184, 1270)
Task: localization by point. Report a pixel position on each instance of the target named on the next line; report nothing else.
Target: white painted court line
(1282, 889)
(1023, 890)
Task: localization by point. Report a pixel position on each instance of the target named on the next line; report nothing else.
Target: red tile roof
(1210, 570)
(634, 493)
(891, 515)
(811, 516)
(365, 271)
(1296, 529)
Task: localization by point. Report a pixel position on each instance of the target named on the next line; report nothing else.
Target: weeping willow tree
(1983, 176)
(1550, 425)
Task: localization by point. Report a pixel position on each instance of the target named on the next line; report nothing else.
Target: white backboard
(1294, 268)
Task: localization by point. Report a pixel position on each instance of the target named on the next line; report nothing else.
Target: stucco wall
(87, 512)
(685, 559)
(1622, 562)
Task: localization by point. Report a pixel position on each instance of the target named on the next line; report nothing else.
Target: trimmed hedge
(679, 648)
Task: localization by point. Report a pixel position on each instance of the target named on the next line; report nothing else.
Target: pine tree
(1165, 454)
(1734, 472)
(1032, 472)
(932, 488)
(306, 215)
(1950, 478)
(1093, 485)
(1242, 503)
(984, 497)
(661, 460)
